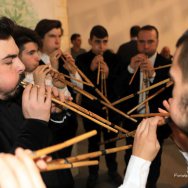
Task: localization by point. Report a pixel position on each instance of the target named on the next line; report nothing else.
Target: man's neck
(97, 53)
(76, 48)
(45, 51)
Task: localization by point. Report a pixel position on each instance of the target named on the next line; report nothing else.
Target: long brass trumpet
(42, 152)
(87, 80)
(56, 165)
(87, 114)
(141, 91)
(60, 166)
(60, 77)
(91, 155)
(150, 97)
(130, 134)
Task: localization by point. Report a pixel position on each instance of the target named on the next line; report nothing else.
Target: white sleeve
(66, 93)
(131, 71)
(78, 77)
(185, 154)
(137, 173)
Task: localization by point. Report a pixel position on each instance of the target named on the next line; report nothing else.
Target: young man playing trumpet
(89, 64)
(29, 42)
(141, 65)
(51, 32)
(146, 144)
(25, 126)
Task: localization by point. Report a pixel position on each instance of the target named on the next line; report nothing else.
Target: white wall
(169, 16)
(29, 12)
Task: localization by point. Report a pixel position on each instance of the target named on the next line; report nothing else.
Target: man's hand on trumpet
(46, 75)
(136, 61)
(144, 63)
(96, 60)
(146, 145)
(40, 74)
(36, 102)
(57, 79)
(68, 63)
(62, 96)
(146, 66)
(54, 58)
(103, 66)
(105, 69)
(19, 170)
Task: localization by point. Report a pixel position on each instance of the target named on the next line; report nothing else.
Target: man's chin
(148, 55)
(15, 91)
(12, 94)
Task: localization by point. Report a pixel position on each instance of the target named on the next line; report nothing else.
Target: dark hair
(99, 32)
(149, 28)
(74, 36)
(6, 27)
(23, 35)
(134, 30)
(45, 25)
(183, 56)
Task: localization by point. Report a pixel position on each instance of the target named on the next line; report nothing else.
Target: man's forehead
(147, 33)
(175, 67)
(54, 31)
(100, 39)
(30, 45)
(8, 47)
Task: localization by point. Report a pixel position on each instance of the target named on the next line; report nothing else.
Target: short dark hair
(149, 28)
(23, 35)
(98, 31)
(45, 25)
(74, 36)
(183, 56)
(6, 28)
(134, 30)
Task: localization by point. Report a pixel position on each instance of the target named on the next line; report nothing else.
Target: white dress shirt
(138, 170)
(137, 173)
(185, 154)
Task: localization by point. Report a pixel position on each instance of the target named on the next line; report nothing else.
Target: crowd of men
(30, 120)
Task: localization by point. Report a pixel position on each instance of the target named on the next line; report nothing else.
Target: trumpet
(86, 113)
(60, 77)
(56, 165)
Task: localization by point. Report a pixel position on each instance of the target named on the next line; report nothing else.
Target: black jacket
(126, 51)
(33, 134)
(83, 62)
(122, 89)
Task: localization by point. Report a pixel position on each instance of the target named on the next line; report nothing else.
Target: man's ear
(157, 42)
(184, 102)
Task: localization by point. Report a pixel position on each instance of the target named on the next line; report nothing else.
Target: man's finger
(30, 168)
(153, 126)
